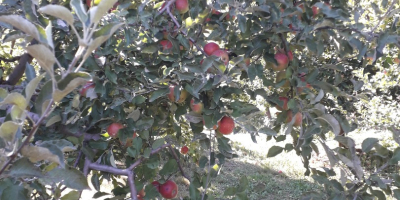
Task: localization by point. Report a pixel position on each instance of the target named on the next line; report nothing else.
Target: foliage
(53, 136)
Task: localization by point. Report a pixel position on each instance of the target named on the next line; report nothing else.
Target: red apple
(166, 44)
(298, 118)
(84, 89)
(247, 61)
(210, 48)
(223, 55)
(226, 125)
(168, 190)
(182, 6)
(113, 129)
(215, 12)
(315, 11)
(184, 150)
(171, 95)
(197, 108)
(282, 61)
(285, 101)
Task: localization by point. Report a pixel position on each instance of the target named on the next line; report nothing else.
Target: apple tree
(104, 89)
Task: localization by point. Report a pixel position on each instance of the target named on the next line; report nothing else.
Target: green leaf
(230, 191)
(97, 12)
(72, 178)
(267, 131)
(242, 23)
(59, 12)
(170, 167)
(150, 49)
(95, 181)
(24, 168)
(158, 143)
(274, 150)
(332, 122)
(72, 195)
(44, 56)
(79, 9)
(15, 192)
(396, 156)
(70, 83)
(379, 194)
(21, 24)
(368, 144)
(203, 161)
(396, 193)
(158, 93)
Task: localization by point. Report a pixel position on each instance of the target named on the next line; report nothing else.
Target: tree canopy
(122, 88)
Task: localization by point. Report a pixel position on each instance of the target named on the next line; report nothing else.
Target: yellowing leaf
(15, 99)
(58, 11)
(53, 120)
(22, 24)
(101, 10)
(43, 55)
(32, 85)
(8, 130)
(36, 154)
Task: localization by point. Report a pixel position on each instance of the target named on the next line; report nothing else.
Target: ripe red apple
(184, 150)
(397, 60)
(166, 44)
(303, 79)
(215, 12)
(315, 10)
(156, 184)
(168, 190)
(87, 86)
(228, 17)
(285, 101)
(113, 129)
(171, 95)
(141, 193)
(196, 107)
(298, 118)
(226, 125)
(290, 54)
(182, 6)
(282, 61)
(223, 55)
(247, 61)
(210, 48)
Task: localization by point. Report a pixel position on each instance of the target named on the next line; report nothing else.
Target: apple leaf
(396, 156)
(21, 24)
(79, 9)
(24, 168)
(72, 195)
(331, 121)
(15, 99)
(274, 150)
(70, 83)
(170, 167)
(368, 144)
(15, 192)
(158, 93)
(72, 178)
(97, 12)
(36, 153)
(8, 130)
(31, 87)
(59, 12)
(43, 55)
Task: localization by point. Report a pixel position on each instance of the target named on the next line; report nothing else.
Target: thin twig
(383, 17)
(179, 163)
(77, 159)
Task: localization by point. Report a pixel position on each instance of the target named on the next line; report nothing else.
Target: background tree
(153, 83)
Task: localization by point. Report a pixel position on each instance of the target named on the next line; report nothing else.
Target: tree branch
(10, 59)
(132, 187)
(19, 70)
(179, 163)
